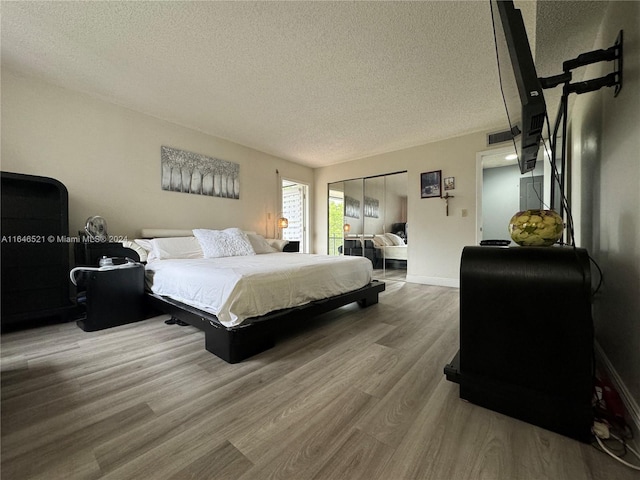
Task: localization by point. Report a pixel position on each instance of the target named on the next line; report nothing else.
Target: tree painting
(189, 172)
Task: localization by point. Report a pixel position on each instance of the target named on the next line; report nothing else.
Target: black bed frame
(255, 335)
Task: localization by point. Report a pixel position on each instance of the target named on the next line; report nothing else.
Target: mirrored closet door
(367, 217)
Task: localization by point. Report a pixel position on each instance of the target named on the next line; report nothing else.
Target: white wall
(435, 240)
(605, 153)
(108, 157)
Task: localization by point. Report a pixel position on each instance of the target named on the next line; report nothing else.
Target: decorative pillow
(395, 239)
(260, 244)
(277, 243)
(176, 247)
(231, 242)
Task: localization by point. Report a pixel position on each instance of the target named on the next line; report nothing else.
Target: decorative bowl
(539, 228)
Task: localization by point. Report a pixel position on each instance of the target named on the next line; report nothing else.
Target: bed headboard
(165, 232)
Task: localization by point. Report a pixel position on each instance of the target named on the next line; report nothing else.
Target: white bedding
(241, 287)
(393, 252)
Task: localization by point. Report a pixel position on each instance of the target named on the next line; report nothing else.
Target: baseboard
(630, 403)
(441, 282)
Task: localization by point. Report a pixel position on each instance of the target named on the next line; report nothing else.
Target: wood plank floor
(356, 394)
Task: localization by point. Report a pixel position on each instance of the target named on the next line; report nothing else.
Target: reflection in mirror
(389, 238)
(353, 204)
(367, 216)
(337, 226)
(374, 219)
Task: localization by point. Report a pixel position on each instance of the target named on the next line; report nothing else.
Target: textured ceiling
(313, 82)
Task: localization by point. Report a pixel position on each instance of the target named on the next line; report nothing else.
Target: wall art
(449, 183)
(189, 172)
(431, 184)
(371, 207)
(351, 207)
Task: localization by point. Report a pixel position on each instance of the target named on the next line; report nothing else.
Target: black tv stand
(526, 335)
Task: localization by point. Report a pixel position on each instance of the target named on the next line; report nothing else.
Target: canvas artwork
(351, 207)
(371, 207)
(189, 172)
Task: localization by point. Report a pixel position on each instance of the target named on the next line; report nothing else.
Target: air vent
(501, 137)
(537, 122)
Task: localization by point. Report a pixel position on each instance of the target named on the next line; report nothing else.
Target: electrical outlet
(464, 212)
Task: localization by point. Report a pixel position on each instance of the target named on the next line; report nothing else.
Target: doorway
(295, 209)
(502, 191)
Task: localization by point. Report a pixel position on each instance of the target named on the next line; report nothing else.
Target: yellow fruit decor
(536, 228)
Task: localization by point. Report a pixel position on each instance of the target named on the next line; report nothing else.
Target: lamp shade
(347, 228)
(283, 222)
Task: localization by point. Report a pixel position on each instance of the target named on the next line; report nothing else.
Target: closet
(361, 209)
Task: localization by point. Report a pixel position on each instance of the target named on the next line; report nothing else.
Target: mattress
(241, 287)
(395, 252)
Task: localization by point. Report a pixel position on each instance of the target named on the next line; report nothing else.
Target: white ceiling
(313, 82)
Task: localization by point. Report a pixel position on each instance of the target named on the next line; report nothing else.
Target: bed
(392, 252)
(382, 249)
(243, 293)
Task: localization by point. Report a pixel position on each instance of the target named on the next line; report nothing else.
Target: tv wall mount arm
(614, 79)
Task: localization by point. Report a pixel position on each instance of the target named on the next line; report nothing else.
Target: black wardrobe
(35, 249)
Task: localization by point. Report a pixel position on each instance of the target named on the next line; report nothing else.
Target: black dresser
(35, 249)
(526, 335)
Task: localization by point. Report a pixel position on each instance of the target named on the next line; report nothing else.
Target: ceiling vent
(501, 137)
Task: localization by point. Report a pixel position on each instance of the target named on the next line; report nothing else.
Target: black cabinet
(110, 298)
(89, 253)
(292, 246)
(35, 249)
(526, 335)
(354, 248)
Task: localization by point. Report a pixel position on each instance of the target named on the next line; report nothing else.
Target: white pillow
(231, 242)
(259, 244)
(142, 253)
(277, 243)
(395, 239)
(176, 247)
(382, 241)
(377, 241)
(148, 247)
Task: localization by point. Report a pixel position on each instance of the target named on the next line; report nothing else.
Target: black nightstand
(292, 246)
(90, 253)
(110, 298)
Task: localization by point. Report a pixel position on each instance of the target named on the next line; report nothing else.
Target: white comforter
(237, 288)
(393, 252)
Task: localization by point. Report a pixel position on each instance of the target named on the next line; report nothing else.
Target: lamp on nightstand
(283, 222)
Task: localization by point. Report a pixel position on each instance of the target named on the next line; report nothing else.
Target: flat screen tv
(522, 91)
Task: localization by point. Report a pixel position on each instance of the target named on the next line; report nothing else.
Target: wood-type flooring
(354, 394)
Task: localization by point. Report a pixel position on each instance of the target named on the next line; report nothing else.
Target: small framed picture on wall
(431, 184)
(449, 183)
